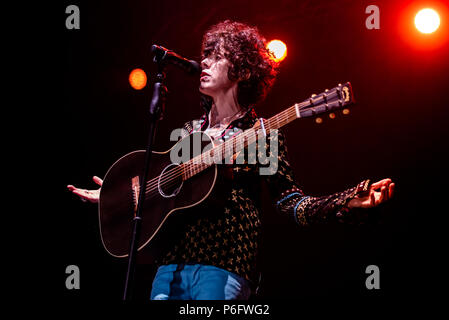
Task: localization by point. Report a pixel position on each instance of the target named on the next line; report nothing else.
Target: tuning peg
(313, 95)
(318, 120)
(345, 111)
(332, 115)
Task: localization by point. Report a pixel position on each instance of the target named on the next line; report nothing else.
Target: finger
(386, 193)
(373, 200)
(380, 183)
(391, 190)
(382, 196)
(75, 190)
(97, 180)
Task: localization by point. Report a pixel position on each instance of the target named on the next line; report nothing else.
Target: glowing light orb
(138, 79)
(278, 48)
(427, 20)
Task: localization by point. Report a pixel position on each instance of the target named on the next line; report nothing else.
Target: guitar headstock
(330, 100)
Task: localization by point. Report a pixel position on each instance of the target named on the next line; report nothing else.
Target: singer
(214, 256)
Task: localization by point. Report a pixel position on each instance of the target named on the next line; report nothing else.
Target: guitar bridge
(135, 187)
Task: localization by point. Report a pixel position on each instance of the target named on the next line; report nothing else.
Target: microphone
(163, 54)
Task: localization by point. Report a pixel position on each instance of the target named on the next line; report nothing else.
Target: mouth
(204, 74)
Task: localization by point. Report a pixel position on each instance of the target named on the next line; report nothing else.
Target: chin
(204, 90)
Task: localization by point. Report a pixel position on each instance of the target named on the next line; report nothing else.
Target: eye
(206, 54)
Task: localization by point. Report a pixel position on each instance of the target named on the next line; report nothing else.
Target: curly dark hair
(251, 61)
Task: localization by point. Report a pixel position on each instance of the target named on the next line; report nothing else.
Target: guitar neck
(329, 100)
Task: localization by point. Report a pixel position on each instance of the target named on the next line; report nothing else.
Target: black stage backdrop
(398, 129)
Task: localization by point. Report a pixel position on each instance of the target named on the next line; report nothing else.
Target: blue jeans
(198, 282)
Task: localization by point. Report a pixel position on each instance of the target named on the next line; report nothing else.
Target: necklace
(226, 121)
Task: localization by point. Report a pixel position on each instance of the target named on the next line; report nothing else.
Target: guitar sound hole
(170, 181)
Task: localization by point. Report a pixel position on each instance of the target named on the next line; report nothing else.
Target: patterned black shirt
(226, 232)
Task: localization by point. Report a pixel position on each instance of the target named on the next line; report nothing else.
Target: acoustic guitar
(172, 187)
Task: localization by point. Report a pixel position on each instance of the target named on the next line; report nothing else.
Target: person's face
(214, 76)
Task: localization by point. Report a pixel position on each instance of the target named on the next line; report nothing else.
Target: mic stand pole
(156, 108)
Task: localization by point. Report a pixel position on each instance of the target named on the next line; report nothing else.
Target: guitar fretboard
(224, 152)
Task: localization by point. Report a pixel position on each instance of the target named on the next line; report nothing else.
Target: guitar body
(117, 204)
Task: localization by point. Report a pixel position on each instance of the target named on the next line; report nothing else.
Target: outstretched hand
(379, 192)
(88, 195)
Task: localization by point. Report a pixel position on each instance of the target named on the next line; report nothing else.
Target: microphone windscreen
(196, 68)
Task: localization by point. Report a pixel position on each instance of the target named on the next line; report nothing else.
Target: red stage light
(278, 48)
(427, 20)
(138, 79)
(423, 24)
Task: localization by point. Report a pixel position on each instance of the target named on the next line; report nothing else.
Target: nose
(205, 63)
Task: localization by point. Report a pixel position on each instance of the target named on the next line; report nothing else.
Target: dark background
(397, 129)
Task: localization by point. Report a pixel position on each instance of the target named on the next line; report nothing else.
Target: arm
(305, 209)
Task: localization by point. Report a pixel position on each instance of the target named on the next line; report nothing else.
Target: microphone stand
(156, 110)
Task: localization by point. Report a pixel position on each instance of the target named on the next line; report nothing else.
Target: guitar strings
(193, 166)
(170, 180)
(188, 167)
(287, 114)
(197, 166)
(171, 175)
